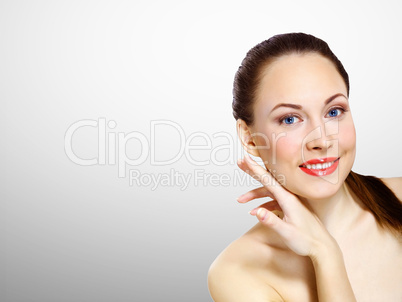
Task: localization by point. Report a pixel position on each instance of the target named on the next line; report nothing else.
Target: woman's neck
(338, 213)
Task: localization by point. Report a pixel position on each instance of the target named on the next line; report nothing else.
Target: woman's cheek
(286, 150)
(347, 136)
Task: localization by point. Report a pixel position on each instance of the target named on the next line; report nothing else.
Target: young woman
(337, 234)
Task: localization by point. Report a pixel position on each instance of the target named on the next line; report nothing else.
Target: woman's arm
(331, 276)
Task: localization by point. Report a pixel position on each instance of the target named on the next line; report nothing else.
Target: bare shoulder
(395, 184)
(235, 274)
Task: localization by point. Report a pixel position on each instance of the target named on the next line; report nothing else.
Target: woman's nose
(320, 138)
(319, 144)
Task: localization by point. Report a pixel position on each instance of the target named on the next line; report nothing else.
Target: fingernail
(240, 198)
(262, 213)
(253, 212)
(239, 162)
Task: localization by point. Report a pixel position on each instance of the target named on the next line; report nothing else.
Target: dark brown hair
(373, 193)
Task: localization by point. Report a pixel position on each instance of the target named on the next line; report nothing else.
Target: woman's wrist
(325, 253)
(331, 276)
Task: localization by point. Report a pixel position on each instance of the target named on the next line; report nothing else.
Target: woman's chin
(316, 192)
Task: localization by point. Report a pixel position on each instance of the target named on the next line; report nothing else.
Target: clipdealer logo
(112, 150)
(112, 146)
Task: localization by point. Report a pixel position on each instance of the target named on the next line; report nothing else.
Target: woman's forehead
(298, 78)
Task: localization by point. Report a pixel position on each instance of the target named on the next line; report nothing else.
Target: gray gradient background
(81, 233)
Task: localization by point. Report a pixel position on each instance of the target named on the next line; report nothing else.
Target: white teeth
(320, 166)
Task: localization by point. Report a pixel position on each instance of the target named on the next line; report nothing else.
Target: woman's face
(303, 125)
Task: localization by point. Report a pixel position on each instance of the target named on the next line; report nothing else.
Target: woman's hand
(302, 231)
(300, 228)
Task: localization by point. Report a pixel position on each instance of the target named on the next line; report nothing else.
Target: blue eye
(289, 120)
(334, 112)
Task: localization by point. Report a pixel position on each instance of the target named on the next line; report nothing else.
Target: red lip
(322, 171)
(319, 161)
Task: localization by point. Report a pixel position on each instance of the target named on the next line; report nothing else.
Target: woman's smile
(320, 166)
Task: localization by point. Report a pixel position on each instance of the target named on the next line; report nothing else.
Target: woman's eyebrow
(295, 106)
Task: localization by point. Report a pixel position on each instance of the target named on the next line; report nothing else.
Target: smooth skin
(324, 246)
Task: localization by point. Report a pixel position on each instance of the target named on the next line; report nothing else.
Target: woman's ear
(246, 138)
